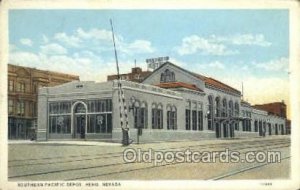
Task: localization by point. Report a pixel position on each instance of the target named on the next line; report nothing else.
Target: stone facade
(23, 84)
(170, 104)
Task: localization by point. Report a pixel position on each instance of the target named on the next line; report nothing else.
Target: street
(91, 160)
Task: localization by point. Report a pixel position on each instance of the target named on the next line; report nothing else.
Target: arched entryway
(79, 120)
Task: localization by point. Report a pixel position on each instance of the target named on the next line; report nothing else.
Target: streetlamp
(138, 119)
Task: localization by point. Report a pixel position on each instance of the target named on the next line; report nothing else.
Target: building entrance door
(231, 132)
(80, 126)
(218, 130)
(225, 130)
(276, 129)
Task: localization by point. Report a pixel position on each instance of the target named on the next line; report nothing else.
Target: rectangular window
(157, 119)
(137, 117)
(187, 119)
(244, 125)
(20, 87)
(11, 85)
(140, 118)
(175, 119)
(103, 128)
(200, 120)
(21, 108)
(171, 120)
(91, 123)
(104, 105)
(168, 119)
(60, 124)
(60, 108)
(237, 126)
(194, 120)
(109, 123)
(142, 115)
(10, 107)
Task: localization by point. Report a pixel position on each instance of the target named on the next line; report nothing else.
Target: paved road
(77, 160)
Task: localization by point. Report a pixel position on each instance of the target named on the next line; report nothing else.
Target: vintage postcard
(150, 95)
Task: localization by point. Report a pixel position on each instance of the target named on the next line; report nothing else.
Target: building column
(42, 130)
(164, 111)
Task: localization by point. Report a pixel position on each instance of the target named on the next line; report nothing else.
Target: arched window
(171, 117)
(80, 108)
(210, 113)
(200, 117)
(187, 115)
(144, 115)
(162, 77)
(224, 112)
(140, 114)
(218, 107)
(236, 109)
(157, 116)
(136, 113)
(167, 76)
(230, 111)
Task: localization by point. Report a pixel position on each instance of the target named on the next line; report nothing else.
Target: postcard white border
(292, 6)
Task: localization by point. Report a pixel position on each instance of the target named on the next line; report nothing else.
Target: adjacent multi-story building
(276, 109)
(136, 75)
(23, 84)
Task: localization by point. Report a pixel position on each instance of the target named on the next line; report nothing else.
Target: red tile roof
(179, 85)
(217, 84)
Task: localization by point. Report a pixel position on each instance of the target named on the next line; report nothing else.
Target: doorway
(80, 126)
(231, 132)
(218, 130)
(225, 130)
(80, 120)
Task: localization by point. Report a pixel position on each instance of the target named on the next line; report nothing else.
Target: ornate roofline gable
(23, 72)
(169, 65)
(207, 81)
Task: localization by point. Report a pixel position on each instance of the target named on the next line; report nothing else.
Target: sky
(233, 46)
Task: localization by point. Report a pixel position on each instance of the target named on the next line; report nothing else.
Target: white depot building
(170, 104)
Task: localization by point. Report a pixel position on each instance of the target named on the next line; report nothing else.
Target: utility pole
(242, 91)
(122, 102)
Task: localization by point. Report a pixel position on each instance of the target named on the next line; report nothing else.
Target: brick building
(276, 108)
(136, 75)
(23, 84)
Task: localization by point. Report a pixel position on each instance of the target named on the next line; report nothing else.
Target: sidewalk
(157, 143)
(69, 142)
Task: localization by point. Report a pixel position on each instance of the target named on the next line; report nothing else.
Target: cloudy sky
(234, 46)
